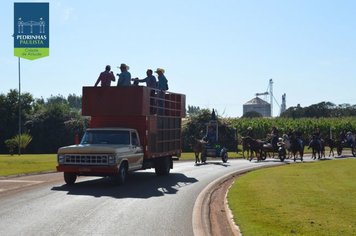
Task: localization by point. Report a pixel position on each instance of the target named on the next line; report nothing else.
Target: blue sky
(218, 53)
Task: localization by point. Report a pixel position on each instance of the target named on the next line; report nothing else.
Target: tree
(9, 118)
(11, 145)
(193, 110)
(21, 141)
(74, 101)
(322, 109)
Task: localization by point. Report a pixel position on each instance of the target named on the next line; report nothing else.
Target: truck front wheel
(120, 177)
(163, 166)
(69, 178)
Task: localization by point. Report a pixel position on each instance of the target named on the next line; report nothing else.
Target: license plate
(84, 169)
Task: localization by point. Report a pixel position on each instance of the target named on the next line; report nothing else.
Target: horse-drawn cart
(342, 145)
(346, 141)
(279, 148)
(210, 143)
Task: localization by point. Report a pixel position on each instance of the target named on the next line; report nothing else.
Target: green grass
(26, 164)
(300, 199)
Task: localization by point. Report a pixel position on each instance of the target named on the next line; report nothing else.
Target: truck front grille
(85, 159)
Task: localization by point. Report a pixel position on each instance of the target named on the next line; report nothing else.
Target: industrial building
(258, 105)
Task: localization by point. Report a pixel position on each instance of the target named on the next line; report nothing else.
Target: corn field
(262, 126)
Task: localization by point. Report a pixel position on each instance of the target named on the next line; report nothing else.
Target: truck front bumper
(88, 170)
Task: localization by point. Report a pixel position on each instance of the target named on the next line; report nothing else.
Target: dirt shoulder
(221, 221)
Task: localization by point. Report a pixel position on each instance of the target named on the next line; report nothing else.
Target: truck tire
(121, 175)
(69, 178)
(163, 166)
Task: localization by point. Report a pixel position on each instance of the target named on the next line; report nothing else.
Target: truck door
(137, 151)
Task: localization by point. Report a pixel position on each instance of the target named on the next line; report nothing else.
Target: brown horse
(317, 147)
(256, 147)
(197, 146)
(332, 144)
(245, 146)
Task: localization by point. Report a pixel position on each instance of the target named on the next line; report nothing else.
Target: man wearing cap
(105, 77)
(124, 76)
(150, 80)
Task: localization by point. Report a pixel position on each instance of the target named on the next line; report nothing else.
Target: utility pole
(19, 141)
(271, 95)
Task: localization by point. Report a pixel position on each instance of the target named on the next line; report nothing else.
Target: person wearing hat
(163, 87)
(124, 76)
(162, 80)
(105, 77)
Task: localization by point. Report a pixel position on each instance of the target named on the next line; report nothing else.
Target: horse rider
(317, 136)
(298, 136)
(210, 137)
(249, 132)
(350, 139)
(274, 137)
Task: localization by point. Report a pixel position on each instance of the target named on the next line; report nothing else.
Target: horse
(332, 144)
(316, 146)
(286, 143)
(245, 146)
(197, 147)
(296, 147)
(255, 146)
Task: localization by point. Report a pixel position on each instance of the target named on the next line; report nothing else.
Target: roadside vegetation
(27, 164)
(301, 199)
(56, 121)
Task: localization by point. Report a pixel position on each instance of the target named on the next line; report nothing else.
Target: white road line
(19, 181)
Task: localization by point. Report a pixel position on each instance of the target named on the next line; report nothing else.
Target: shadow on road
(138, 185)
(213, 163)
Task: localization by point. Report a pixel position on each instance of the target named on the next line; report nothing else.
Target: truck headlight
(111, 159)
(60, 159)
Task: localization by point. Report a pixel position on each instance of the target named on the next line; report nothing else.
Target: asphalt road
(145, 205)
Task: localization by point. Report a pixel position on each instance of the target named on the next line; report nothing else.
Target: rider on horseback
(317, 137)
(274, 137)
(350, 139)
(298, 136)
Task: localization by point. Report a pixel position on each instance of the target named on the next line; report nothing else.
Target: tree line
(50, 123)
(54, 122)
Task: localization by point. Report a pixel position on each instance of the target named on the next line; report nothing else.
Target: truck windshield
(106, 137)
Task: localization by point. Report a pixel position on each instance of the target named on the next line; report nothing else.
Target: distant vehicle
(130, 129)
(213, 148)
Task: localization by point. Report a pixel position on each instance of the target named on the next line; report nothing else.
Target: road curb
(200, 217)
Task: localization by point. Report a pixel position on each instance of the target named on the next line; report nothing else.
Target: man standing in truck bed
(105, 77)
(124, 76)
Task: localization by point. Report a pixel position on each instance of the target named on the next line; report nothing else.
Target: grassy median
(26, 164)
(300, 199)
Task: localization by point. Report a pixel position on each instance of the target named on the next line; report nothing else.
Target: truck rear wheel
(69, 178)
(163, 166)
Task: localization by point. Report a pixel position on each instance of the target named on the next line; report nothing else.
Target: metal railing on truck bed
(155, 115)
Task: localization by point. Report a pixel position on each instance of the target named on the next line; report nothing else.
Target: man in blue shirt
(150, 80)
(124, 76)
(162, 81)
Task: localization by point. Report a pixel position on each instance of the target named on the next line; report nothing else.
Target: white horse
(287, 144)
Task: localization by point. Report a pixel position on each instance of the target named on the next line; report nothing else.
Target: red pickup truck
(131, 128)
